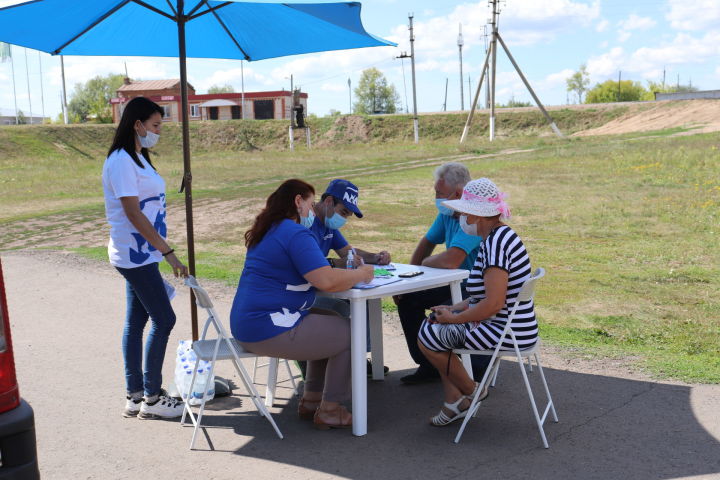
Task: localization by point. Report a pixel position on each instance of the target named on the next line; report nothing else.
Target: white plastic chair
(223, 347)
(526, 293)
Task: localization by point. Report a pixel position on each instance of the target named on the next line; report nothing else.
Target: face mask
(335, 222)
(442, 208)
(149, 140)
(469, 229)
(308, 221)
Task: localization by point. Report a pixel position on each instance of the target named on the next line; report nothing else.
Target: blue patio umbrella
(176, 28)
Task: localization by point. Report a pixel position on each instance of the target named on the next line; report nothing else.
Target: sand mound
(699, 115)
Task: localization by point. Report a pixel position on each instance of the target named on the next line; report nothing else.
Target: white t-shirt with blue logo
(122, 177)
(273, 296)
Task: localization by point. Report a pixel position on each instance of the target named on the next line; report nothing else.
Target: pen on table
(362, 262)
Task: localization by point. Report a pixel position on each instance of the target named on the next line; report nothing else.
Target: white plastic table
(367, 301)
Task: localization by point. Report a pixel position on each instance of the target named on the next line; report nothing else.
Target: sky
(642, 40)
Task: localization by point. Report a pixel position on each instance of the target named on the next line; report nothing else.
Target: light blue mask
(308, 221)
(442, 208)
(335, 222)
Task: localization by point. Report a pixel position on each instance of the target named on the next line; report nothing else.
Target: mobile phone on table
(411, 274)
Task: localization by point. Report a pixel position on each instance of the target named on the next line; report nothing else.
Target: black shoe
(421, 375)
(369, 369)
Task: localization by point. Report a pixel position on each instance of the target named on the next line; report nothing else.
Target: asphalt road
(66, 315)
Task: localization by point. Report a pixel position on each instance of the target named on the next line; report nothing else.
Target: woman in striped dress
(501, 268)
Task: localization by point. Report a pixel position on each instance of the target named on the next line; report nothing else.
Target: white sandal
(442, 419)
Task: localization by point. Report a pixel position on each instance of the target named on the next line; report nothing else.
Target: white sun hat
(481, 198)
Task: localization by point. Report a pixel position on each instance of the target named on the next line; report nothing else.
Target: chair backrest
(527, 292)
(203, 300)
(528, 289)
(201, 296)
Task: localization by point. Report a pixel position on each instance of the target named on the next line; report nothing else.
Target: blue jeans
(146, 299)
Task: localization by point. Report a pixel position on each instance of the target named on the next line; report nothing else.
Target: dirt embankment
(698, 116)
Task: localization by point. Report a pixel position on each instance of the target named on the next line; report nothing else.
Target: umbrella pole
(187, 177)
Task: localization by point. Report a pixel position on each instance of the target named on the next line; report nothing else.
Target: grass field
(625, 226)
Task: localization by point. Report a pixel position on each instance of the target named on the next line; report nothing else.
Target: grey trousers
(322, 340)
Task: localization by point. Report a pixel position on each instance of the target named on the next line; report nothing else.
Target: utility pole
(492, 55)
(663, 84)
(402, 63)
(27, 75)
(487, 77)
(460, 45)
(349, 97)
(64, 93)
(42, 95)
(242, 89)
(412, 64)
(493, 64)
(445, 102)
(469, 88)
(619, 77)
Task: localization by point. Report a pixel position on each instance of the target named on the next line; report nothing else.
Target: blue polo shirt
(272, 295)
(327, 239)
(446, 229)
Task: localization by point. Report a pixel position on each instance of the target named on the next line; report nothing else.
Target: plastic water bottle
(350, 260)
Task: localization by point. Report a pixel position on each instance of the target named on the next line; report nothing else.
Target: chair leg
(467, 364)
(292, 377)
(198, 425)
(271, 382)
(255, 367)
(551, 404)
(495, 375)
(256, 398)
(475, 403)
(532, 398)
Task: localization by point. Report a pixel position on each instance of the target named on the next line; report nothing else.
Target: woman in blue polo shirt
(271, 314)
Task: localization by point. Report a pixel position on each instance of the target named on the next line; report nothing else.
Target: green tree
(221, 89)
(21, 119)
(613, 91)
(374, 95)
(334, 113)
(578, 82)
(91, 101)
(657, 87)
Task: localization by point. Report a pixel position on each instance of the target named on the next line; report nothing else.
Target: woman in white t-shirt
(135, 209)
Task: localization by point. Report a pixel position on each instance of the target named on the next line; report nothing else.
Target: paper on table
(376, 282)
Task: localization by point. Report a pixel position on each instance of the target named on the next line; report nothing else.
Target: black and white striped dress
(502, 249)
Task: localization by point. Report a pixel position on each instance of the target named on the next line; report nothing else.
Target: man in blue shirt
(337, 204)
(460, 252)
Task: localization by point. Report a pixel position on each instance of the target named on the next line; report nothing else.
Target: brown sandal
(305, 409)
(341, 415)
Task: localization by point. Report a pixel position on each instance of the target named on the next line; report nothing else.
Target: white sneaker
(163, 407)
(132, 407)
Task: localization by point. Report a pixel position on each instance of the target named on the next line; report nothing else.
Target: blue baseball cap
(346, 192)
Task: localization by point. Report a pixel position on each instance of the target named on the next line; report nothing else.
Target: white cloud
(632, 23)
(340, 86)
(623, 36)
(602, 25)
(699, 15)
(607, 63)
(648, 62)
(717, 72)
(558, 78)
(635, 22)
(81, 69)
(229, 76)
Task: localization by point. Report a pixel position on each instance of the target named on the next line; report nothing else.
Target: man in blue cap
(337, 204)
